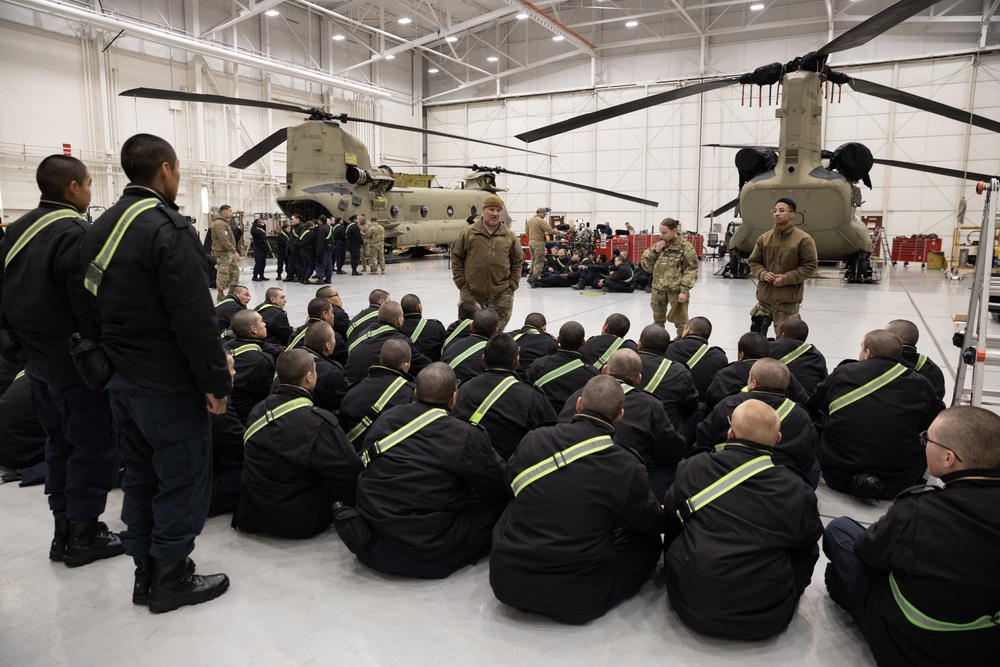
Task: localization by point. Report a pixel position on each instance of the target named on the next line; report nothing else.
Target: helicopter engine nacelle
(378, 176)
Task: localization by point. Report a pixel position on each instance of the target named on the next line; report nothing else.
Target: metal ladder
(978, 349)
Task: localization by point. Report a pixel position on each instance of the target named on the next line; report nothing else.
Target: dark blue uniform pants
(293, 263)
(615, 286)
(339, 254)
(81, 458)
(848, 582)
(166, 445)
(259, 261)
(324, 265)
(355, 250)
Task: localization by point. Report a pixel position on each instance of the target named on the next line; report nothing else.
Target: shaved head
(757, 422)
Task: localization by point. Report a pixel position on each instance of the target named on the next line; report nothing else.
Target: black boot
(145, 569)
(174, 586)
(90, 540)
(760, 324)
(59, 537)
(580, 285)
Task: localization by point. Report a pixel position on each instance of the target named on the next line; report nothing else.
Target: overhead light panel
(521, 16)
(271, 12)
(404, 21)
(451, 38)
(433, 70)
(631, 24)
(558, 38)
(390, 57)
(757, 6)
(492, 59)
(338, 38)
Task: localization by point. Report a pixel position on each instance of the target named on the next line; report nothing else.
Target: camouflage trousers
(537, 259)
(660, 300)
(228, 274)
(503, 303)
(374, 256)
(778, 312)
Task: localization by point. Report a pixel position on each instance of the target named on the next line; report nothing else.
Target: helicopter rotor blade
(622, 109)
(260, 150)
(941, 171)
(922, 103)
(158, 94)
(722, 209)
(873, 27)
(435, 133)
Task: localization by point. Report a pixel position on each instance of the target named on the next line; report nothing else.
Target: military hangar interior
(492, 70)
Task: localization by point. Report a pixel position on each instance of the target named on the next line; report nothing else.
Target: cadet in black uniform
(909, 335)
(573, 544)
(272, 311)
(622, 278)
(872, 412)
(733, 378)
(324, 251)
(293, 274)
(427, 334)
(227, 455)
(465, 356)
(339, 245)
(460, 327)
(297, 461)
(667, 380)
(44, 303)
(159, 331)
(599, 348)
(283, 248)
(645, 428)
(921, 581)
(806, 363)
(355, 239)
(386, 385)
(432, 500)
(367, 317)
(499, 402)
(22, 444)
(235, 302)
(364, 351)
(768, 383)
(692, 350)
(331, 382)
(307, 251)
(254, 358)
(741, 542)
(341, 320)
(258, 236)
(320, 310)
(559, 375)
(533, 342)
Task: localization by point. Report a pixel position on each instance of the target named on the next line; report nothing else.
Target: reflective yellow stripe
(492, 398)
(724, 485)
(796, 353)
(95, 271)
(399, 435)
(463, 325)
(18, 376)
(867, 389)
(417, 330)
(558, 372)
(226, 300)
(249, 347)
(367, 317)
(376, 408)
(299, 336)
(560, 460)
(371, 333)
(661, 372)
(697, 356)
(785, 409)
(35, 228)
(272, 415)
(264, 306)
(527, 332)
(603, 359)
(921, 360)
(456, 362)
(925, 622)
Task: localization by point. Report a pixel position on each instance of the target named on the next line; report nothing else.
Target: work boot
(278, 278)
(174, 586)
(145, 569)
(383, 272)
(760, 324)
(59, 537)
(580, 285)
(90, 540)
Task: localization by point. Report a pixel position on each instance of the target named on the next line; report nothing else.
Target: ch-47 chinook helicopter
(329, 172)
(827, 196)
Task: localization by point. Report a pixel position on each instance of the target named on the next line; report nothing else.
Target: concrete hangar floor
(311, 602)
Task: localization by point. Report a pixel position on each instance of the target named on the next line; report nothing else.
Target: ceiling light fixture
(631, 24)
(390, 57)
(492, 59)
(756, 7)
(404, 21)
(433, 70)
(338, 38)
(451, 38)
(271, 12)
(558, 38)
(521, 16)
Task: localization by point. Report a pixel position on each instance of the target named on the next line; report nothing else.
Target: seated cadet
(237, 300)
(559, 375)
(432, 488)
(341, 320)
(871, 413)
(575, 543)
(22, 439)
(566, 276)
(919, 582)
(425, 333)
(227, 455)
(254, 361)
(297, 462)
(364, 352)
(768, 383)
(465, 356)
(331, 381)
(593, 273)
(643, 279)
(532, 342)
(692, 350)
(599, 348)
(460, 327)
(667, 380)
(367, 317)
(741, 540)
(279, 331)
(320, 310)
(387, 385)
(622, 277)
(909, 335)
(806, 363)
(733, 378)
(499, 402)
(646, 428)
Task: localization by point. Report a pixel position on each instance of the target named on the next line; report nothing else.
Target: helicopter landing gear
(736, 267)
(859, 269)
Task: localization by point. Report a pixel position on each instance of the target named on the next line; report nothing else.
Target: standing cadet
(486, 261)
(258, 236)
(44, 302)
(375, 249)
(536, 228)
(339, 245)
(674, 266)
(294, 270)
(279, 331)
(782, 260)
(164, 386)
(224, 250)
(283, 248)
(307, 251)
(324, 251)
(355, 239)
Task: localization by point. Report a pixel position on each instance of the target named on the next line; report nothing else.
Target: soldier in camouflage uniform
(583, 241)
(375, 246)
(674, 266)
(363, 223)
(224, 250)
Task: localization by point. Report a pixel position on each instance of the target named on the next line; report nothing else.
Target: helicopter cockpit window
(394, 211)
(451, 211)
(423, 211)
(473, 210)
